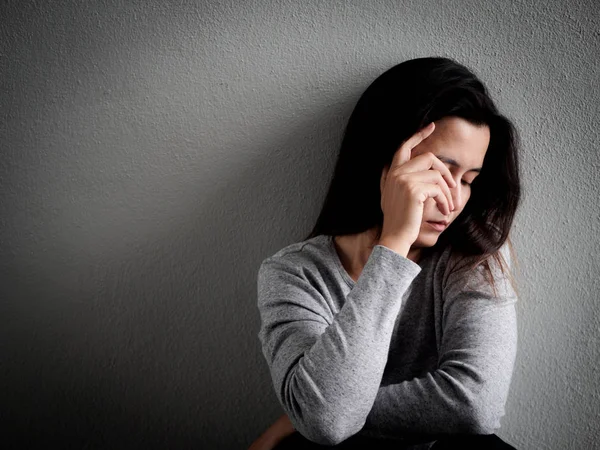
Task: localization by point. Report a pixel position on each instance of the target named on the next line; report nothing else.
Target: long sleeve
(468, 391)
(326, 368)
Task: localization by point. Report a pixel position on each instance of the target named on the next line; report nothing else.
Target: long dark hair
(396, 105)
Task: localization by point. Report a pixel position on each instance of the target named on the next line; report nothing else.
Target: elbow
(319, 431)
(324, 430)
(339, 432)
(339, 435)
(311, 422)
(482, 418)
(321, 435)
(317, 421)
(335, 427)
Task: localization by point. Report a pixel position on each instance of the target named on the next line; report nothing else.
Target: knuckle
(439, 176)
(400, 177)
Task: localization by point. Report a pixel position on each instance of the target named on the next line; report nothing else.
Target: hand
(264, 442)
(274, 434)
(407, 184)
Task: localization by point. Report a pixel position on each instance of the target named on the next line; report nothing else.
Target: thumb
(403, 154)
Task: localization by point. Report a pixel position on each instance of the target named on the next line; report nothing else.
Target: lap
(296, 441)
(472, 441)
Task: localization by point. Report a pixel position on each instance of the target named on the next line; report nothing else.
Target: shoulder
(461, 273)
(300, 258)
(290, 282)
(455, 261)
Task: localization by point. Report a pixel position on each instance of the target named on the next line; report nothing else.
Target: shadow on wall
(162, 349)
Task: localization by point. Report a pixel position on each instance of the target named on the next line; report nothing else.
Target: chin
(426, 240)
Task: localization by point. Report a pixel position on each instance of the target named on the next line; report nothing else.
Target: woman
(393, 322)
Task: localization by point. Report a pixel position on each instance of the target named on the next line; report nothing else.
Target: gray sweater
(409, 351)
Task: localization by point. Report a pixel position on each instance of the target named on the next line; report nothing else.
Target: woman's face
(461, 146)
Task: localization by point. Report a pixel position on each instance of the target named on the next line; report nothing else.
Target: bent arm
(468, 391)
(466, 394)
(326, 368)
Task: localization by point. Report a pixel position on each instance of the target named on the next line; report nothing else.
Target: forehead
(458, 139)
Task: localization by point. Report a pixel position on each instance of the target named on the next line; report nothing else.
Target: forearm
(428, 405)
(468, 391)
(327, 370)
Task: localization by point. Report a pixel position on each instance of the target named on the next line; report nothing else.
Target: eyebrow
(454, 163)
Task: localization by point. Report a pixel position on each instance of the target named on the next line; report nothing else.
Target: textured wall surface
(154, 152)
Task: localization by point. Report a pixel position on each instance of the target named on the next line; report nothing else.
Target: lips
(441, 222)
(438, 226)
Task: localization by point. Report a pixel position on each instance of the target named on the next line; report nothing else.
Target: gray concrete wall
(154, 152)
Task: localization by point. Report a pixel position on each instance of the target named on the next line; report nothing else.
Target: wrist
(399, 245)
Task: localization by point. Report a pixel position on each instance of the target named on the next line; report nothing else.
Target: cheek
(465, 198)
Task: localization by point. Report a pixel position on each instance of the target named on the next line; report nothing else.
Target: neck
(369, 240)
(354, 251)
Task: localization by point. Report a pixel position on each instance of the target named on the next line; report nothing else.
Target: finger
(434, 176)
(444, 202)
(439, 165)
(427, 161)
(403, 154)
(434, 191)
